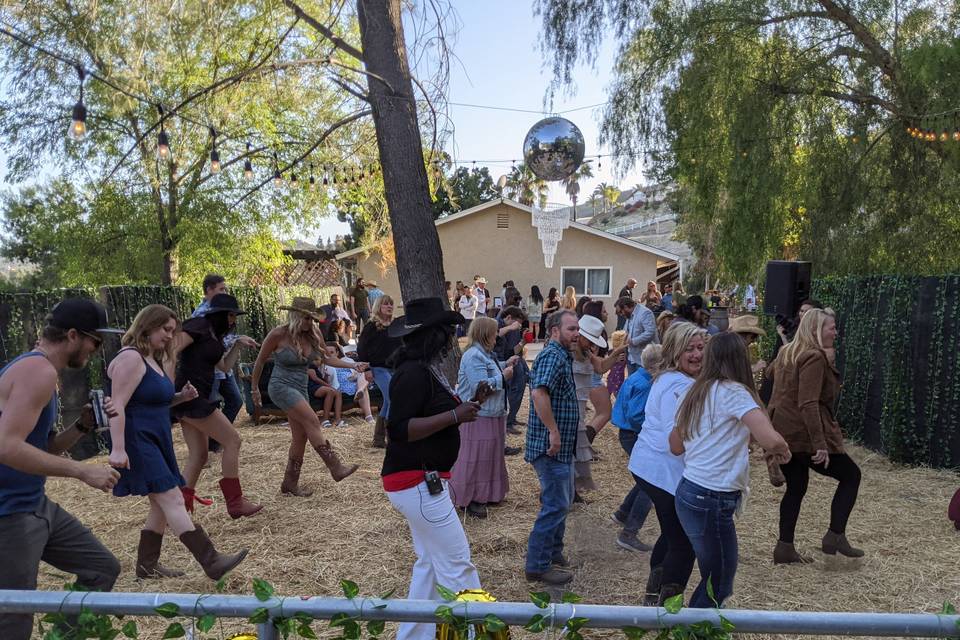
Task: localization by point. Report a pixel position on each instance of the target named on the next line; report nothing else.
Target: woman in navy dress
(142, 446)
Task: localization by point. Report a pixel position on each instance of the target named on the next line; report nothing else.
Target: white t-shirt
(651, 458)
(717, 458)
(468, 307)
(482, 297)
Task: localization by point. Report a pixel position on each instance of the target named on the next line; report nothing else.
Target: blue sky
(499, 63)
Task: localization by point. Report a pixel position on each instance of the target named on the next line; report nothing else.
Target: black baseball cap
(81, 314)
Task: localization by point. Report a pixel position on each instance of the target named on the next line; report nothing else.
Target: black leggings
(842, 468)
(672, 550)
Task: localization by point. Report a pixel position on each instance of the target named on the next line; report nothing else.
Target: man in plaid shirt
(551, 440)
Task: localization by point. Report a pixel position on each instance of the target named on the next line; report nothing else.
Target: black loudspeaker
(788, 284)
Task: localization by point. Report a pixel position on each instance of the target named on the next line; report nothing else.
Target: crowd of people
(680, 394)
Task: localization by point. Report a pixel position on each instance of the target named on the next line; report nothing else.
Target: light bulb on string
(163, 142)
(293, 180)
(944, 136)
(277, 177)
(214, 154)
(78, 121)
(248, 166)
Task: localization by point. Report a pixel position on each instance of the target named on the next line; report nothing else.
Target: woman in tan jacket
(805, 389)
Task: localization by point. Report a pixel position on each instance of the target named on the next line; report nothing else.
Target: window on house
(594, 281)
(503, 221)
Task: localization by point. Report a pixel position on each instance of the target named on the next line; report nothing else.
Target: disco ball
(553, 148)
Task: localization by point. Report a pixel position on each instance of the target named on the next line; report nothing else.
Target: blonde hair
(651, 357)
(675, 342)
(375, 315)
(809, 336)
(618, 339)
(482, 332)
(664, 320)
(148, 320)
(569, 299)
(315, 341)
(678, 286)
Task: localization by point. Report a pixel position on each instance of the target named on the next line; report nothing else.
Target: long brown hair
(148, 320)
(724, 360)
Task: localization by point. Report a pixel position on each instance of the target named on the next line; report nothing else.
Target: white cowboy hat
(592, 329)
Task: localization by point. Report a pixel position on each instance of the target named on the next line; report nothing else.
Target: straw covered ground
(304, 546)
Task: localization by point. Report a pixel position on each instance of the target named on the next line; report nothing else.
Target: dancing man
(32, 527)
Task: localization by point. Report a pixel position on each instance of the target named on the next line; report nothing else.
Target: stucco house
(498, 241)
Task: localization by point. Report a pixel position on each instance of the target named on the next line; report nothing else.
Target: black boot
(652, 591)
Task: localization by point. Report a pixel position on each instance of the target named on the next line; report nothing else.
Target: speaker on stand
(788, 284)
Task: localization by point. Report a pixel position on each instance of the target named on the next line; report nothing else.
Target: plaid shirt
(552, 371)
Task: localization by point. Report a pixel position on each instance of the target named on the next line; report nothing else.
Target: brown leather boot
(834, 542)
(291, 479)
(338, 470)
(214, 564)
(148, 555)
(380, 433)
(785, 553)
(237, 505)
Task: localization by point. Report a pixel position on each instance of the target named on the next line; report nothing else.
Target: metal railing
(512, 613)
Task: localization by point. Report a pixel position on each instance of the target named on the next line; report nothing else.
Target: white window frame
(586, 279)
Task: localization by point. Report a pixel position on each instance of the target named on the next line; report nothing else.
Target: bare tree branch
(854, 98)
(325, 31)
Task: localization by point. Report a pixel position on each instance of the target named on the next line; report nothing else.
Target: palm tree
(572, 184)
(525, 187)
(608, 193)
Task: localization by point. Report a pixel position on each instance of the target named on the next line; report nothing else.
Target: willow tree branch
(313, 147)
(325, 31)
(853, 98)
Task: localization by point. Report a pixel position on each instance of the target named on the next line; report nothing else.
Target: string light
(293, 180)
(313, 181)
(163, 142)
(248, 166)
(277, 178)
(78, 121)
(214, 154)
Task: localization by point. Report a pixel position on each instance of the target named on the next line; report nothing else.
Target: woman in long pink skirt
(479, 476)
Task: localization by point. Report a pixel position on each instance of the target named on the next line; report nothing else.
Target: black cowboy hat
(223, 302)
(423, 313)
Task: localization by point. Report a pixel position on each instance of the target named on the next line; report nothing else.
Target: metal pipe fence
(512, 613)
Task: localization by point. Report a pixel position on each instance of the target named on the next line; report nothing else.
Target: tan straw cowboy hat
(306, 306)
(746, 324)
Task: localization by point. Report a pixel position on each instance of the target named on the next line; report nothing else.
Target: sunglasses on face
(97, 340)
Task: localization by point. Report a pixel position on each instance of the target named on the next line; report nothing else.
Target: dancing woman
(602, 361)
(375, 346)
(142, 447)
(717, 417)
(550, 305)
(423, 447)
(200, 348)
(294, 346)
(805, 389)
(656, 470)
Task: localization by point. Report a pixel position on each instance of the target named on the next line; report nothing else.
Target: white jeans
(443, 553)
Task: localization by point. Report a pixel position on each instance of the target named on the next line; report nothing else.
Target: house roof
(522, 207)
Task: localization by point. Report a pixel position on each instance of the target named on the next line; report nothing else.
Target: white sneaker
(326, 424)
(342, 423)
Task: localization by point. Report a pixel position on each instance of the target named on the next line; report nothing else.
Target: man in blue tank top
(33, 528)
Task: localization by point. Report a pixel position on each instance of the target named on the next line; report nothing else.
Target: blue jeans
(556, 496)
(516, 385)
(637, 504)
(632, 368)
(381, 376)
(707, 519)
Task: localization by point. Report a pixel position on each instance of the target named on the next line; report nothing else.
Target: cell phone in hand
(99, 412)
(482, 393)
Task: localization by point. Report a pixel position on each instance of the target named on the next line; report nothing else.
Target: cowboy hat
(481, 280)
(306, 306)
(592, 329)
(223, 302)
(746, 324)
(422, 313)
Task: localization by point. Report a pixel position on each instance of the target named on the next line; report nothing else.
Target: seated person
(352, 383)
(338, 332)
(321, 383)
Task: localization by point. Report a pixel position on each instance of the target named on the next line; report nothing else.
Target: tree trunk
(415, 239)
